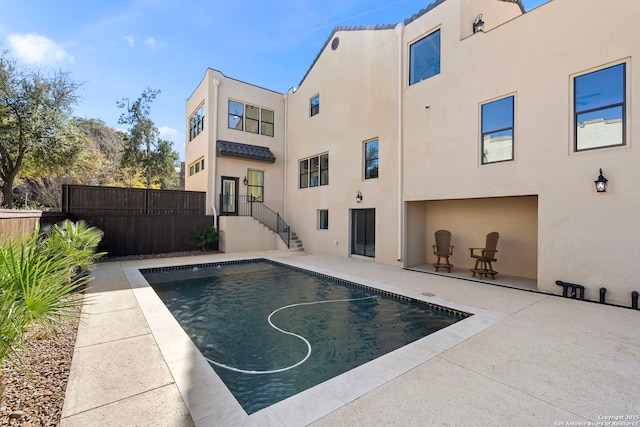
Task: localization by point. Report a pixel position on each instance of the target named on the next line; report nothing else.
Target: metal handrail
(250, 206)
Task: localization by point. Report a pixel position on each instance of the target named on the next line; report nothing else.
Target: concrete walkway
(523, 358)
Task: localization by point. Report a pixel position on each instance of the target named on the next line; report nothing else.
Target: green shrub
(204, 237)
(37, 273)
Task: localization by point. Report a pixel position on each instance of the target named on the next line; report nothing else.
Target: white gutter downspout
(400, 230)
(214, 151)
(286, 155)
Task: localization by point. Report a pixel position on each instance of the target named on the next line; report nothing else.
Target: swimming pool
(271, 331)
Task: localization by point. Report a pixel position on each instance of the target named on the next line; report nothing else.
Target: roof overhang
(244, 151)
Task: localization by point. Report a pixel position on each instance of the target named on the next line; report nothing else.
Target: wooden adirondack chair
(486, 256)
(443, 249)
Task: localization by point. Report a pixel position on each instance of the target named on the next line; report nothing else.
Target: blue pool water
(271, 331)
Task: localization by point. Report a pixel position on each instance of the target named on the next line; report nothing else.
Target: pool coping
(208, 399)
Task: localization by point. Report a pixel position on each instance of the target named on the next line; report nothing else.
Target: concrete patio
(523, 358)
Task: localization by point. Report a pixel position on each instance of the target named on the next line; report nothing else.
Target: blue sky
(118, 48)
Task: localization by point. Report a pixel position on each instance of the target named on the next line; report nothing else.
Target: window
(599, 108)
(424, 58)
(196, 166)
(236, 115)
(323, 219)
(324, 169)
(252, 120)
(255, 185)
(371, 159)
(497, 130)
(315, 105)
(314, 171)
(196, 123)
(304, 173)
(266, 122)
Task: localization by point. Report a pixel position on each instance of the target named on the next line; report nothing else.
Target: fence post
(278, 222)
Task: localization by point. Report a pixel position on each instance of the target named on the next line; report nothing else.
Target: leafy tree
(143, 149)
(35, 129)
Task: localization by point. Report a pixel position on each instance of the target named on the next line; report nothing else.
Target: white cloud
(151, 42)
(38, 49)
(171, 134)
(130, 40)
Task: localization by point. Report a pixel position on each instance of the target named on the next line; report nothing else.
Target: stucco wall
(533, 57)
(216, 128)
(357, 84)
(245, 234)
(430, 158)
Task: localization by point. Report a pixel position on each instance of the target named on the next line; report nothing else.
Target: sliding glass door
(363, 232)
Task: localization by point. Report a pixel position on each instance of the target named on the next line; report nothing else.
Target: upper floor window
(314, 171)
(236, 115)
(599, 108)
(424, 58)
(266, 122)
(252, 121)
(315, 105)
(497, 130)
(196, 123)
(250, 118)
(371, 159)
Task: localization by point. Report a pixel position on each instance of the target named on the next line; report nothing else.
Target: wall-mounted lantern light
(245, 181)
(478, 24)
(601, 183)
(358, 197)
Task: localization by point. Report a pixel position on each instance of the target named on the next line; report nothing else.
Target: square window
(202, 164)
(497, 130)
(599, 108)
(323, 219)
(191, 170)
(315, 105)
(371, 159)
(424, 58)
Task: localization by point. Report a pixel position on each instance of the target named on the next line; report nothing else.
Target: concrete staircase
(295, 244)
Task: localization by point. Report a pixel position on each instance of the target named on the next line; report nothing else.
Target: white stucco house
(471, 115)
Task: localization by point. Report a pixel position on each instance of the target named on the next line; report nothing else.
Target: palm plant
(204, 237)
(75, 241)
(36, 274)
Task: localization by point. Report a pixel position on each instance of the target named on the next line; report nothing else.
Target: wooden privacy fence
(15, 224)
(138, 221)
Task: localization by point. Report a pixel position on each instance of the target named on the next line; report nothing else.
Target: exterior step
(295, 244)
